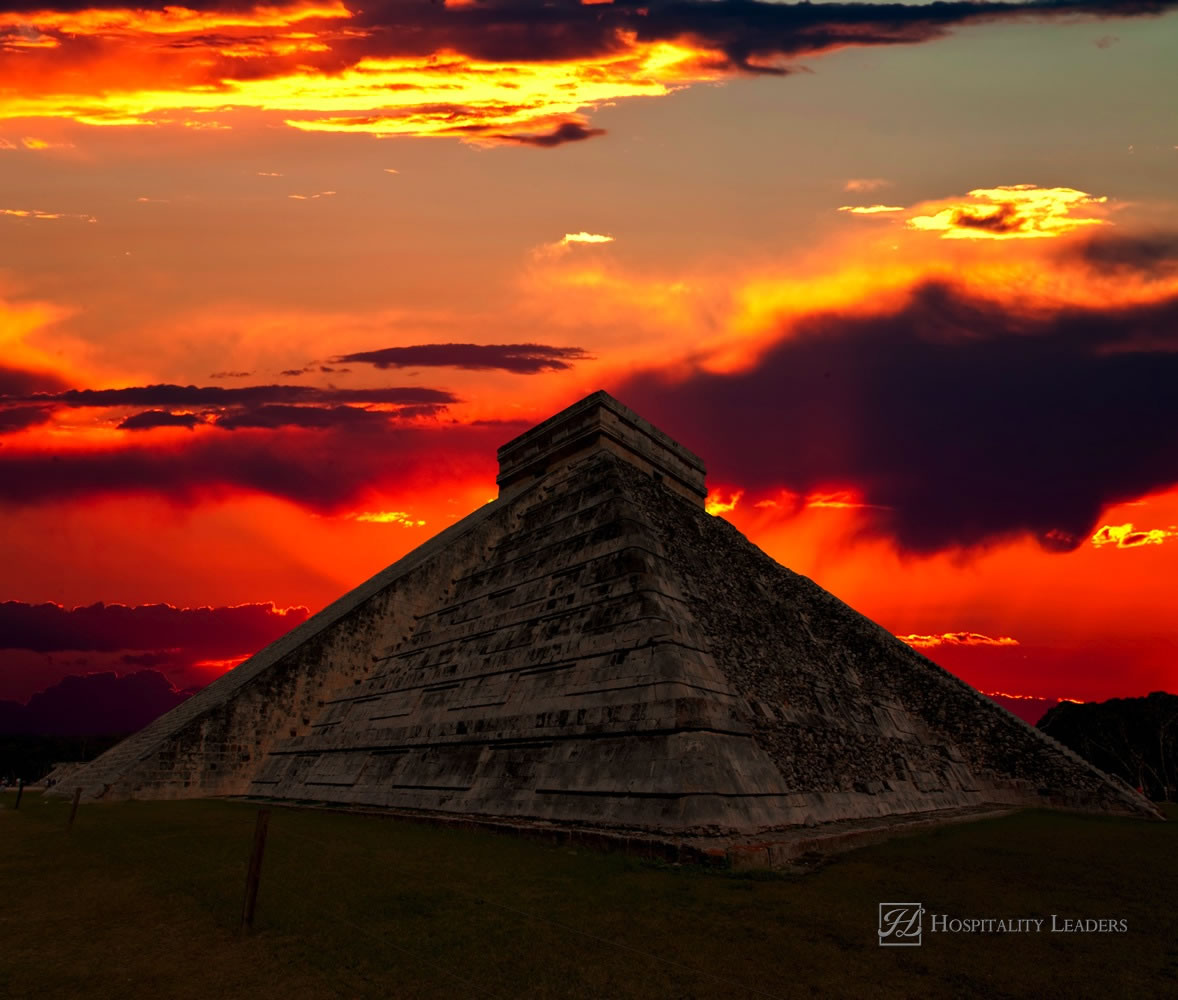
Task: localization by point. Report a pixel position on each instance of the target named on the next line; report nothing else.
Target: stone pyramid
(593, 650)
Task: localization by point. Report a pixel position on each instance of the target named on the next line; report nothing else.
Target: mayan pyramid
(594, 650)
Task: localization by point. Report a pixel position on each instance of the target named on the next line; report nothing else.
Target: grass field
(144, 899)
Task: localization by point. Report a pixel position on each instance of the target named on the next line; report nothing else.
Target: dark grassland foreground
(142, 899)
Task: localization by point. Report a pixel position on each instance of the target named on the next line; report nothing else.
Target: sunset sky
(277, 279)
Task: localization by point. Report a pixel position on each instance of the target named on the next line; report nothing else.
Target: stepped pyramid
(593, 650)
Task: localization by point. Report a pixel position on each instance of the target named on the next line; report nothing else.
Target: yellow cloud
(387, 517)
(171, 20)
(156, 67)
(714, 505)
(1028, 697)
(839, 499)
(956, 639)
(1125, 536)
(584, 237)
(870, 209)
(1013, 211)
(35, 144)
(34, 213)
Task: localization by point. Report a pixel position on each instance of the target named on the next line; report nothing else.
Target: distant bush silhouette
(1133, 738)
(30, 757)
(78, 718)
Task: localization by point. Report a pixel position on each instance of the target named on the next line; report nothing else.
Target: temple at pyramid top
(599, 423)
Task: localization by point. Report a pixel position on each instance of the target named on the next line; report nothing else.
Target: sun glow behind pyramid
(679, 242)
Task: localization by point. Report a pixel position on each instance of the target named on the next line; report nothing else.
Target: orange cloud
(855, 274)
(828, 499)
(477, 72)
(160, 67)
(840, 500)
(206, 123)
(956, 639)
(723, 319)
(1125, 536)
(35, 144)
(481, 101)
(1013, 211)
(865, 184)
(171, 20)
(26, 341)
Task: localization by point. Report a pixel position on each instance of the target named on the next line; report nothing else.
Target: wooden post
(20, 790)
(74, 809)
(254, 875)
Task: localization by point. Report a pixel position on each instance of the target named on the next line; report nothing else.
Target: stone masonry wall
(847, 710)
(213, 743)
(561, 678)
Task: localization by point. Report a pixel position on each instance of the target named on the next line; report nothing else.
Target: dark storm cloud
(261, 406)
(749, 35)
(93, 704)
(323, 469)
(166, 396)
(149, 419)
(963, 423)
(1148, 254)
(204, 632)
(277, 415)
(163, 658)
(564, 132)
(21, 381)
(424, 410)
(17, 418)
(525, 359)
(713, 37)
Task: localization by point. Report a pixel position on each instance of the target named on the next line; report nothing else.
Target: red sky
(276, 281)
